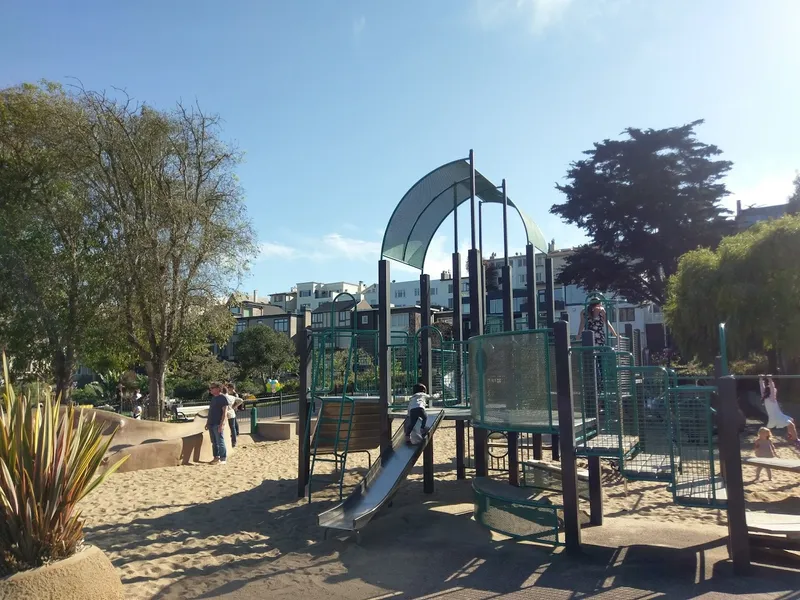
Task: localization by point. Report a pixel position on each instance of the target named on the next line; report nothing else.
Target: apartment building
(312, 294)
(747, 217)
(285, 300)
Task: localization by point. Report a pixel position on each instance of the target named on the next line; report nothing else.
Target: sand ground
(239, 531)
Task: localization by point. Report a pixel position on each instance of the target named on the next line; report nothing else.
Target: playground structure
(507, 389)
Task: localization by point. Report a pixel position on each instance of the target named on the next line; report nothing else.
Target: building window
(435, 291)
(241, 326)
(465, 286)
(305, 306)
(344, 318)
(399, 293)
(539, 277)
(496, 306)
(305, 293)
(281, 325)
(656, 308)
(518, 304)
(450, 301)
(235, 310)
(522, 278)
(450, 288)
(365, 319)
(317, 318)
(400, 320)
(627, 315)
(416, 291)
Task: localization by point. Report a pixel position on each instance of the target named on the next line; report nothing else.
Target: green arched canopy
(424, 207)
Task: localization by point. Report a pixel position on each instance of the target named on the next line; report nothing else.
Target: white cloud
(337, 248)
(538, 14)
(358, 25)
(273, 249)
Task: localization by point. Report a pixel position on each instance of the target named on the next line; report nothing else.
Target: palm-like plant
(49, 459)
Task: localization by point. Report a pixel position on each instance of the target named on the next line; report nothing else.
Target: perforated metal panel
(510, 381)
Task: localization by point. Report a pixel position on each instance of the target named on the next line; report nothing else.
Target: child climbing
(764, 448)
(776, 417)
(416, 411)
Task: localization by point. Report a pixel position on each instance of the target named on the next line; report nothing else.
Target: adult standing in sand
(215, 423)
(234, 402)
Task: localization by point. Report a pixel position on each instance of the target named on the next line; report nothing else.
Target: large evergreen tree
(643, 201)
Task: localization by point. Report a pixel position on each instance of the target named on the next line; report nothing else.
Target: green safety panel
(511, 381)
(697, 478)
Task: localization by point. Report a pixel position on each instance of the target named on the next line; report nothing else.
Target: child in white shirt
(416, 411)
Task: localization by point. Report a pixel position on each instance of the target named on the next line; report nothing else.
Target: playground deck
(607, 444)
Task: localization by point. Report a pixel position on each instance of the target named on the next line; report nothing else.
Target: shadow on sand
(420, 548)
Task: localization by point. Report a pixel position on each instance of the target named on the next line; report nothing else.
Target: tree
(264, 353)
(794, 199)
(179, 236)
(53, 243)
(752, 283)
(643, 201)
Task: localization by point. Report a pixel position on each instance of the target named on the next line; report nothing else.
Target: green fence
(511, 381)
(697, 479)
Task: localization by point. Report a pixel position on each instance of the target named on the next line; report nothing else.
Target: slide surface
(381, 481)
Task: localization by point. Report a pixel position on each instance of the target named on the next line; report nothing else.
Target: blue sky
(340, 106)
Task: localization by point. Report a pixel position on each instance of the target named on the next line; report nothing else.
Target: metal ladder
(339, 441)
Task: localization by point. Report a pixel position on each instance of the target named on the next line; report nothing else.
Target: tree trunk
(156, 373)
(62, 373)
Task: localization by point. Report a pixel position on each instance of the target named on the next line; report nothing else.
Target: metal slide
(381, 481)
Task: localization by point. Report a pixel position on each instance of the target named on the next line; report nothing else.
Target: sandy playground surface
(239, 531)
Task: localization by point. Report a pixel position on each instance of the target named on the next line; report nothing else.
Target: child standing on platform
(416, 411)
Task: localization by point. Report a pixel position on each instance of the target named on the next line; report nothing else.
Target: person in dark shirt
(215, 423)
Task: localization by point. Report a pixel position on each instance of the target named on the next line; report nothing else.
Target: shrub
(91, 394)
(49, 457)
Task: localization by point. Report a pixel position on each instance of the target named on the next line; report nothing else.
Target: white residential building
(312, 293)
(570, 299)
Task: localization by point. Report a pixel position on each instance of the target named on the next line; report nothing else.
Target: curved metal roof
(425, 206)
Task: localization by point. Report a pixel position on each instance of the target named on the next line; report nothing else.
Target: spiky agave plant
(48, 463)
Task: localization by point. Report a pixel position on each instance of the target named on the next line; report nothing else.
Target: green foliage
(696, 285)
(643, 202)
(264, 353)
(49, 458)
(91, 393)
(53, 236)
(794, 199)
(121, 226)
(752, 283)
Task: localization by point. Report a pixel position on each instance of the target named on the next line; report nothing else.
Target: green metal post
(253, 420)
(723, 349)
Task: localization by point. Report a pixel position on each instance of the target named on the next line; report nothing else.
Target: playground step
(648, 467)
(517, 512)
(704, 492)
(543, 475)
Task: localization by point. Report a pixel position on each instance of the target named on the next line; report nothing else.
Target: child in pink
(764, 448)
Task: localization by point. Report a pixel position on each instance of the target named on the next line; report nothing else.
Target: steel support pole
(566, 423)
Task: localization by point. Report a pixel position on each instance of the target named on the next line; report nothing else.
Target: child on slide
(776, 417)
(416, 411)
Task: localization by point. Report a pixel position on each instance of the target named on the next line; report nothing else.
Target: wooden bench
(779, 464)
(776, 531)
